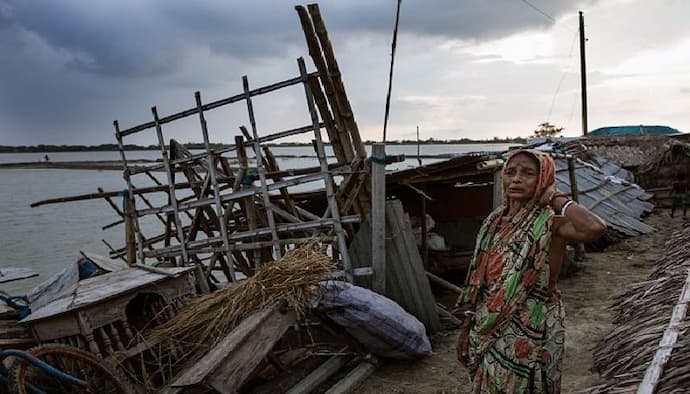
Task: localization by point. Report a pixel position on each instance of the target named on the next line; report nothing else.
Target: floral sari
(516, 339)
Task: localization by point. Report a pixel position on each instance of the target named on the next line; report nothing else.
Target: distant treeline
(196, 145)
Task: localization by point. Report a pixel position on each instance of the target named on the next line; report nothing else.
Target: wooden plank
(319, 375)
(350, 382)
(236, 356)
(16, 342)
(10, 274)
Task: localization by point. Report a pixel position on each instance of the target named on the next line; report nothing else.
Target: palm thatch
(672, 164)
(643, 314)
(628, 151)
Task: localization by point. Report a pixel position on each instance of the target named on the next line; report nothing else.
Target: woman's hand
(462, 346)
(547, 195)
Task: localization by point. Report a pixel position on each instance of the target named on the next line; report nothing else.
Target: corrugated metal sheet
(604, 191)
(621, 204)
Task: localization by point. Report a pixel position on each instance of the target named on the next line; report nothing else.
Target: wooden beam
(226, 366)
(319, 375)
(353, 379)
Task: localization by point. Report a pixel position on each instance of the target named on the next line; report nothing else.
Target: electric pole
(583, 74)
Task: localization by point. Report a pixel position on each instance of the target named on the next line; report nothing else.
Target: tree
(547, 130)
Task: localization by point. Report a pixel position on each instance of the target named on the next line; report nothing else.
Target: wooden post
(580, 247)
(425, 234)
(130, 231)
(419, 159)
(498, 188)
(378, 217)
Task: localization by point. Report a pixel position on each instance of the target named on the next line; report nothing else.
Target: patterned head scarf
(546, 175)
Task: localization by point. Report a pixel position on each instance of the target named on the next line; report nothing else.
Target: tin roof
(632, 130)
(620, 203)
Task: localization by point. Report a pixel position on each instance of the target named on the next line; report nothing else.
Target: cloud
(144, 38)
(470, 68)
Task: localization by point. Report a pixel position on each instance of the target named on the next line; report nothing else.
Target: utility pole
(583, 74)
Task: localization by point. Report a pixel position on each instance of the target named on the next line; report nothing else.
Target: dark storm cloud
(69, 66)
(142, 38)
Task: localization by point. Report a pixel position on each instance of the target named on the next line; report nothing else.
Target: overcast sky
(464, 68)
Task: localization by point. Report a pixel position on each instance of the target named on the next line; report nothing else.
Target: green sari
(517, 336)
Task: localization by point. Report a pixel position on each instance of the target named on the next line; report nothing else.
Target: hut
(672, 164)
(448, 200)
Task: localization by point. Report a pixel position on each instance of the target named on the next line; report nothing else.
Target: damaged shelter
(237, 275)
(446, 232)
(230, 278)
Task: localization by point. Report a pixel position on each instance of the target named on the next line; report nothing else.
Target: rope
(378, 160)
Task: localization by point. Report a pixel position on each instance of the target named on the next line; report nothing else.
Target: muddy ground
(588, 295)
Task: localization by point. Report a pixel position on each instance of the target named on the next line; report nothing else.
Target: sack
(378, 323)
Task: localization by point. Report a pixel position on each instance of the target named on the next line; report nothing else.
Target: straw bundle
(643, 315)
(292, 279)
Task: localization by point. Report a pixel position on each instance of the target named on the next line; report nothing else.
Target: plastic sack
(378, 323)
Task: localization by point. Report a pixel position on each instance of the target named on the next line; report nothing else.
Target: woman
(513, 334)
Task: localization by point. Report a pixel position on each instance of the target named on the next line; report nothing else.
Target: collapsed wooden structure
(218, 217)
(231, 210)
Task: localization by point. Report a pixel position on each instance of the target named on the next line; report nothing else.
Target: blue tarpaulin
(632, 130)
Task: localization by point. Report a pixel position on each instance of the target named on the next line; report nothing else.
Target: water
(48, 238)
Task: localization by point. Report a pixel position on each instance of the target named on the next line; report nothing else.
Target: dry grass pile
(643, 314)
(292, 279)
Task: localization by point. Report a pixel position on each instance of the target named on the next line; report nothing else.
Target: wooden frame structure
(238, 218)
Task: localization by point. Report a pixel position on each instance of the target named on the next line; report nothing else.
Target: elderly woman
(513, 334)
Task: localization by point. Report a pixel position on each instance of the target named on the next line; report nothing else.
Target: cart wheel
(100, 378)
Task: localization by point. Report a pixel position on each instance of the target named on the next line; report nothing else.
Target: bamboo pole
(262, 171)
(343, 152)
(327, 177)
(247, 204)
(335, 76)
(216, 190)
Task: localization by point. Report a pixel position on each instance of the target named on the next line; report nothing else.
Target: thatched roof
(644, 314)
(669, 165)
(627, 151)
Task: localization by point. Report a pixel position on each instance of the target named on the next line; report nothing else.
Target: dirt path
(587, 294)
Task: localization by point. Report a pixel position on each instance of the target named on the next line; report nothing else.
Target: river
(48, 238)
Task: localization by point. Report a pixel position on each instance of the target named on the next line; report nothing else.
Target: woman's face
(520, 177)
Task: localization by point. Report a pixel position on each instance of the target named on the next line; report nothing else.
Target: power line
(539, 10)
(563, 75)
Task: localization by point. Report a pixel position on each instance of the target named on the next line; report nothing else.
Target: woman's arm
(580, 223)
